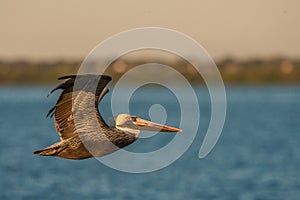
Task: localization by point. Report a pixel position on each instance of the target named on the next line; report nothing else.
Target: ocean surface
(257, 156)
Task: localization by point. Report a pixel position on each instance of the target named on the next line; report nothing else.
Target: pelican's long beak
(151, 126)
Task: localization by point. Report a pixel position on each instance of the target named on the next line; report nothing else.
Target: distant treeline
(264, 71)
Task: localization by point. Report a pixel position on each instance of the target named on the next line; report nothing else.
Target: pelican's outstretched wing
(81, 95)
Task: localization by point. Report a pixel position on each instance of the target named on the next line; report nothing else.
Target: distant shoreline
(278, 71)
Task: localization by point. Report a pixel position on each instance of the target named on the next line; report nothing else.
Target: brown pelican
(91, 136)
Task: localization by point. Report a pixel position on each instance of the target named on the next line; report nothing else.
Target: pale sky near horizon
(72, 28)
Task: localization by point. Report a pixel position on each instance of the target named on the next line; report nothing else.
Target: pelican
(82, 130)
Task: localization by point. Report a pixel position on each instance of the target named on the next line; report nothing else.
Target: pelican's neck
(131, 131)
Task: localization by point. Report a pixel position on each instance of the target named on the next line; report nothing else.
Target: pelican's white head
(133, 125)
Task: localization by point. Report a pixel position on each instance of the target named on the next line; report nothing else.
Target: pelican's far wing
(78, 91)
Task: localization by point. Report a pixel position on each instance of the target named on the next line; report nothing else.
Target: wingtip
(66, 77)
(51, 112)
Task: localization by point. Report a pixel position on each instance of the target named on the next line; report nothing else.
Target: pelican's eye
(133, 118)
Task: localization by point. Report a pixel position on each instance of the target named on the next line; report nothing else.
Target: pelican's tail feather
(50, 151)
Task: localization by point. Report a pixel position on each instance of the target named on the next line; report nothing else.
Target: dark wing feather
(81, 95)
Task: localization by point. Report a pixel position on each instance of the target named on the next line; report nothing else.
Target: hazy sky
(71, 29)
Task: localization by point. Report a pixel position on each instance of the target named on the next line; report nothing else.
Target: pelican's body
(74, 147)
(82, 130)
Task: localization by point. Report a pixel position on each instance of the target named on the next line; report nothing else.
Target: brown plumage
(83, 132)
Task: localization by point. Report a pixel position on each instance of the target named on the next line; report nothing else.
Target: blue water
(257, 156)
